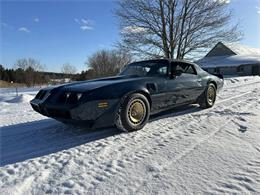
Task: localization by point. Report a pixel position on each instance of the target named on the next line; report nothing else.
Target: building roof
(243, 49)
(227, 61)
(230, 54)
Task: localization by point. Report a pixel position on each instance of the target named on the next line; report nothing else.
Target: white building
(231, 59)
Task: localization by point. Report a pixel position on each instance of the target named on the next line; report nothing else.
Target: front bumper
(87, 114)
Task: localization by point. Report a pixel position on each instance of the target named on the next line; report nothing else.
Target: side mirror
(178, 73)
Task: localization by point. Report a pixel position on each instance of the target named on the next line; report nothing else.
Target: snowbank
(20, 90)
(231, 81)
(23, 98)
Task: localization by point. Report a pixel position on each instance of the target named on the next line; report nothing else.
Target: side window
(216, 70)
(190, 69)
(162, 70)
(158, 70)
(240, 69)
(179, 67)
(175, 68)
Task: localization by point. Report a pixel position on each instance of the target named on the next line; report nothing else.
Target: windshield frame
(159, 63)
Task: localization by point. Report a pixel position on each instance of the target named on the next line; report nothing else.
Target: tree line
(25, 71)
(31, 72)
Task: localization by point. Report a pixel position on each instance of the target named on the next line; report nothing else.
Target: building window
(240, 69)
(216, 70)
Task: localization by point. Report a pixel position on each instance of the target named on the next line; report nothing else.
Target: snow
(244, 55)
(23, 90)
(186, 151)
(23, 98)
(228, 61)
(243, 50)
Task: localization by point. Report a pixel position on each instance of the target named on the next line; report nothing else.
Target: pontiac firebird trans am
(127, 100)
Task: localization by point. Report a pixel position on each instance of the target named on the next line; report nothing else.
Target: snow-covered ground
(186, 151)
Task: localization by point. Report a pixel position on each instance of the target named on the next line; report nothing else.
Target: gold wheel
(211, 95)
(136, 111)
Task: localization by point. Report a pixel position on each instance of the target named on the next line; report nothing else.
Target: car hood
(97, 83)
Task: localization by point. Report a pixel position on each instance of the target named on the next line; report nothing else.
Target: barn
(231, 59)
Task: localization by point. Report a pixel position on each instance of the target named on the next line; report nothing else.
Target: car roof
(168, 59)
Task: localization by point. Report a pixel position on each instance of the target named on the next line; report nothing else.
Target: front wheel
(208, 98)
(133, 113)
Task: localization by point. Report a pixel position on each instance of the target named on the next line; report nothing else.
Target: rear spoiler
(219, 76)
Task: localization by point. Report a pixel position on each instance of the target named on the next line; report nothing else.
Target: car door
(169, 89)
(160, 94)
(184, 85)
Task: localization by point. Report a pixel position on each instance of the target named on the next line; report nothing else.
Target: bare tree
(108, 62)
(174, 28)
(25, 63)
(32, 69)
(68, 69)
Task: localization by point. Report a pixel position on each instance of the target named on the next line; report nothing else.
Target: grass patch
(4, 84)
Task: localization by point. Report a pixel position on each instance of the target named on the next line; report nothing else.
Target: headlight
(79, 95)
(70, 97)
(67, 95)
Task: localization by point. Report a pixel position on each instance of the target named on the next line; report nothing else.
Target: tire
(133, 113)
(208, 97)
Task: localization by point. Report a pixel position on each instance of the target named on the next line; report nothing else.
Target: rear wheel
(208, 98)
(134, 113)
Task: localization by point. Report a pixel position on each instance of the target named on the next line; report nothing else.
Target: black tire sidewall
(127, 125)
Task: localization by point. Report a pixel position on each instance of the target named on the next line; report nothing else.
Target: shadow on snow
(34, 139)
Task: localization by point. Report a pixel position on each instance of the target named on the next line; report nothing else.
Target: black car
(127, 100)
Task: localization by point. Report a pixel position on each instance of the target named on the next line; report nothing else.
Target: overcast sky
(58, 32)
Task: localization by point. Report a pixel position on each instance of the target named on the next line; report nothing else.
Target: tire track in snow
(239, 85)
(27, 184)
(241, 180)
(141, 153)
(190, 149)
(194, 121)
(112, 168)
(60, 167)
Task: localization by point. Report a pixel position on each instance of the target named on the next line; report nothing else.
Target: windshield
(147, 68)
